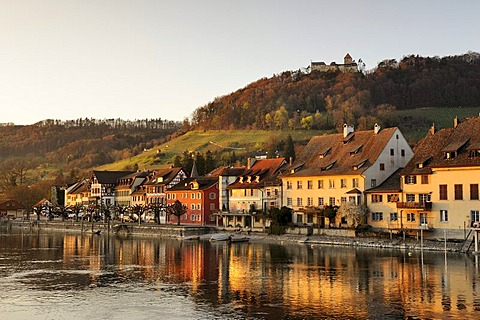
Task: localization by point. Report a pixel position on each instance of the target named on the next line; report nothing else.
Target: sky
(137, 59)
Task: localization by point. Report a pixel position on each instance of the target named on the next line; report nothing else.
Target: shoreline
(185, 232)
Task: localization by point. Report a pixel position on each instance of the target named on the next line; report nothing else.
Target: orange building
(199, 195)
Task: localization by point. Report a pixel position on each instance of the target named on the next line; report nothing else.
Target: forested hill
(325, 100)
(79, 144)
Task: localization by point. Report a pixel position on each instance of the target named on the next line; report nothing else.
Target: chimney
(432, 129)
(250, 162)
(347, 130)
(290, 160)
(455, 122)
(376, 128)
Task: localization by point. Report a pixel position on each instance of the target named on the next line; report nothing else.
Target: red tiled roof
(462, 139)
(342, 158)
(262, 172)
(204, 182)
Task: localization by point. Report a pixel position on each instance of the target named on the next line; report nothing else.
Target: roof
(110, 177)
(263, 172)
(227, 171)
(201, 183)
(391, 184)
(345, 156)
(434, 147)
(164, 176)
(11, 204)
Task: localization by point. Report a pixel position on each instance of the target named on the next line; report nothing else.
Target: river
(59, 275)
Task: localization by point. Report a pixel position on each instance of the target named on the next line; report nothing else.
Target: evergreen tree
(289, 149)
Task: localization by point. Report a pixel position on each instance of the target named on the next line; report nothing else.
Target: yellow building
(440, 184)
(337, 168)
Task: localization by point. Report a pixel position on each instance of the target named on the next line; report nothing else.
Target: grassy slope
(238, 141)
(241, 141)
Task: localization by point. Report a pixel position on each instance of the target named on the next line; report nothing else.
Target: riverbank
(205, 232)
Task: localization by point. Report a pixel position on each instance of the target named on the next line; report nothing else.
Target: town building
(127, 185)
(12, 209)
(102, 186)
(162, 180)
(200, 198)
(253, 193)
(440, 184)
(334, 169)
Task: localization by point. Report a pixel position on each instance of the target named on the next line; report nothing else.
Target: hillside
(227, 147)
(326, 100)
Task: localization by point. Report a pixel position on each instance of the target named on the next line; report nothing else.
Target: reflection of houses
(255, 191)
(337, 168)
(199, 195)
(11, 209)
(440, 183)
(349, 65)
(102, 186)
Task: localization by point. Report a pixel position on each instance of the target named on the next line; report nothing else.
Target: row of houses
(433, 187)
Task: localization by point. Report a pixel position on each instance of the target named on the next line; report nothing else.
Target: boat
(220, 237)
(238, 239)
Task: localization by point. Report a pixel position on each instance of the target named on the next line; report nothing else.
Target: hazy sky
(131, 59)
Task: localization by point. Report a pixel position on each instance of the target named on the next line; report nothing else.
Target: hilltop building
(349, 65)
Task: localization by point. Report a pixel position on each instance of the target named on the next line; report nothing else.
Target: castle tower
(347, 59)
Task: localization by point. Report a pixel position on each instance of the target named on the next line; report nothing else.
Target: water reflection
(199, 279)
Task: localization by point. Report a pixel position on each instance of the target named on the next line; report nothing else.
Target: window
(411, 217)
(355, 183)
(475, 216)
(199, 206)
(382, 166)
(199, 195)
(351, 199)
(299, 218)
(309, 202)
(320, 184)
(443, 216)
(289, 202)
(331, 183)
(410, 197)
(192, 195)
(299, 202)
(424, 197)
(192, 217)
(299, 184)
(373, 183)
(377, 216)
(392, 152)
(443, 192)
(212, 206)
(377, 198)
(343, 183)
(423, 219)
(392, 198)
(343, 200)
(212, 196)
(320, 201)
(289, 184)
(458, 192)
(309, 184)
(402, 152)
(474, 192)
(411, 179)
(192, 206)
(393, 216)
(309, 218)
(424, 179)
(168, 196)
(331, 201)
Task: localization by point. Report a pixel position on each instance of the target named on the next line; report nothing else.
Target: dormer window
(257, 179)
(474, 153)
(359, 165)
(356, 150)
(328, 167)
(422, 163)
(450, 155)
(249, 179)
(241, 180)
(324, 153)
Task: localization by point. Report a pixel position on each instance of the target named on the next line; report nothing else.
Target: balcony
(426, 206)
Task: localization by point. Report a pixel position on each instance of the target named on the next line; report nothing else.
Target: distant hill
(79, 144)
(326, 100)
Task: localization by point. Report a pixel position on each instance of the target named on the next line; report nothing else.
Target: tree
(354, 215)
(289, 149)
(280, 217)
(177, 209)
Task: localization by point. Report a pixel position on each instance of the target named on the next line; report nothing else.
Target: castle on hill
(349, 65)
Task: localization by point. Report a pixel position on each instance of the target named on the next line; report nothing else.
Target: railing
(415, 205)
